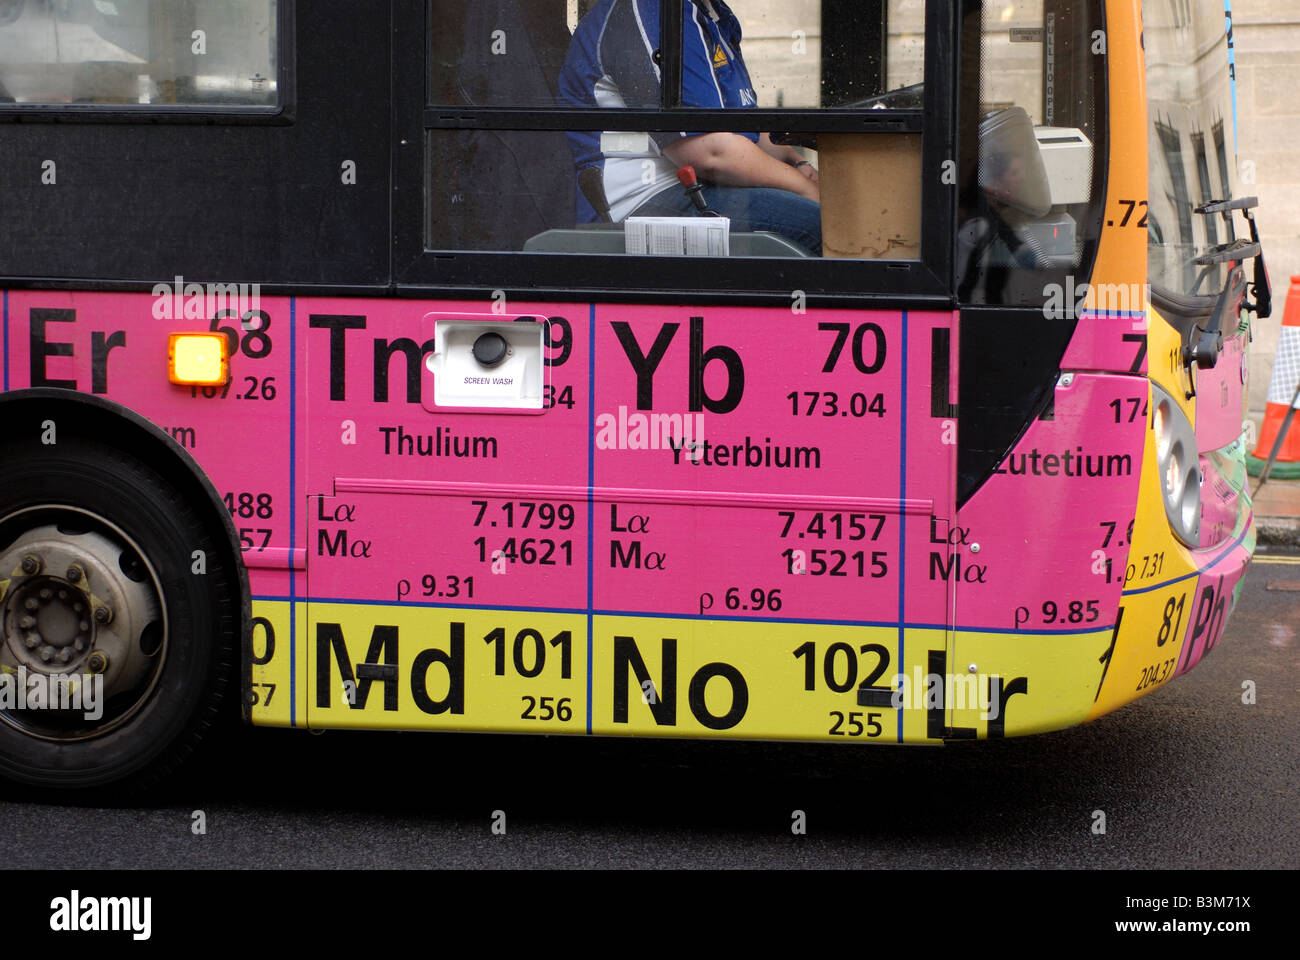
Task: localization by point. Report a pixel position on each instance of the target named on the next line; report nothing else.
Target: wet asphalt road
(1188, 777)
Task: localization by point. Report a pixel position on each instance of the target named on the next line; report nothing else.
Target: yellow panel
(1051, 679)
(437, 668)
(1165, 365)
(271, 690)
(421, 668)
(1145, 650)
(720, 678)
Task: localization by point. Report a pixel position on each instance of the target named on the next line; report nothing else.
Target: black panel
(1009, 363)
(222, 200)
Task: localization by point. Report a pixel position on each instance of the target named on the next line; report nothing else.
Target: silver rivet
(972, 669)
(974, 548)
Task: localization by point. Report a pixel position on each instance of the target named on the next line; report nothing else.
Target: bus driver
(613, 62)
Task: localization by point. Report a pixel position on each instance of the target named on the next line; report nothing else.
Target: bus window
(1183, 108)
(865, 50)
(786, 188)
(205, 53)
(507, 53)
(1031, 171)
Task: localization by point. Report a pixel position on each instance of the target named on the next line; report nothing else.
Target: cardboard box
(871, 195)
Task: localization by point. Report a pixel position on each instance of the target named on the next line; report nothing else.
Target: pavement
(1277, 514)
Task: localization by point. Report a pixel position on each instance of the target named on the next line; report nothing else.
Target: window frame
(281, 113)
(417, 268)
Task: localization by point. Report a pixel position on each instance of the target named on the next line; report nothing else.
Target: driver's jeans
(749, 208)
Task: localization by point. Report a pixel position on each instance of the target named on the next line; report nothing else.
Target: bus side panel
(706, 533)
(1040, 554)
(115, 345)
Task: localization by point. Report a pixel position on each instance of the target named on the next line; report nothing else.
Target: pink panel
(1219, 397)
(1051, 525)
(1114, 341)
(1212, 603)
(726, 448)
(115, 345)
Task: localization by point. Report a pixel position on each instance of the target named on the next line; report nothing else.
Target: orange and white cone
(1281, 390)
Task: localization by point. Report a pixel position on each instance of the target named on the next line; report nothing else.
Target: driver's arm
(787, 154)
(731, 160)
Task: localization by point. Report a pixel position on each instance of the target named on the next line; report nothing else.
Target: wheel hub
(54, 623)
(78, 602)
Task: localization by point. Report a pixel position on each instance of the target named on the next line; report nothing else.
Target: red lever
(694, 189)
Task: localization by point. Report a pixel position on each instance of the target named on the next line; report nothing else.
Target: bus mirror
(1262, 290)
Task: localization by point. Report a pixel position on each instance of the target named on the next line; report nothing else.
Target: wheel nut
(65, 655)
(31, 603)
(31, 564)
(103, 614)
(74, 574)
(47, 594)
(63, 594)
(32, 640)
(27, 621)
(97, 663)
(78, 606)
(84, 626)
(45, 653)
(80, 644)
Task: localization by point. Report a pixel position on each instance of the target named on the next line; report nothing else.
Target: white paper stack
(677, 236)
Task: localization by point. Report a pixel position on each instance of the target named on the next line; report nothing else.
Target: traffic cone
(1281, 390)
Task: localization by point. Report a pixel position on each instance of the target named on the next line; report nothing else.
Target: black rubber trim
(829, 120)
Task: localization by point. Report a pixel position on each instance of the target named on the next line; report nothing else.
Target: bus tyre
(118, 618)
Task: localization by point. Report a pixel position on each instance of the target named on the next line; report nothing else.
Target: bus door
(1053, 356)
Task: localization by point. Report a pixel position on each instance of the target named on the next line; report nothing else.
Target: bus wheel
(118, 619)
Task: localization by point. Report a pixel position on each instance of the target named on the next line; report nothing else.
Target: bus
(383, 366)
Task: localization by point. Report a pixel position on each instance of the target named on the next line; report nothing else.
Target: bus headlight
(1178, 466)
